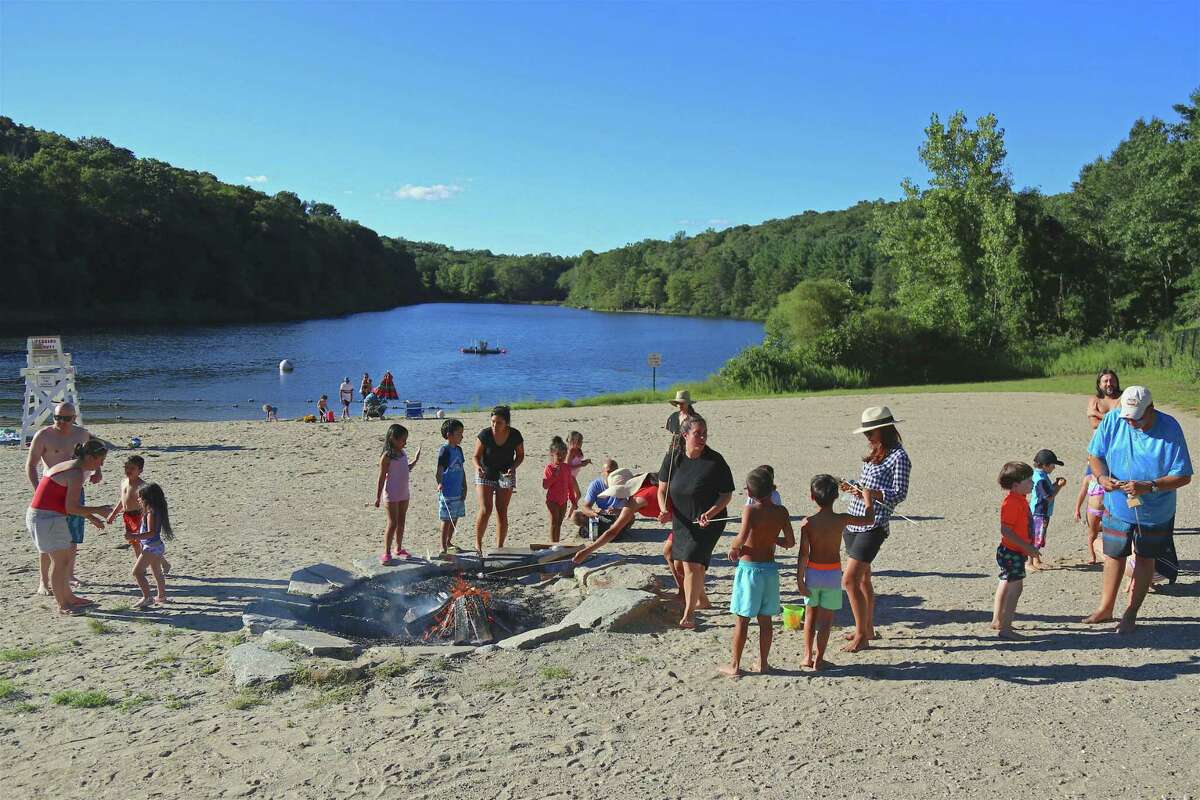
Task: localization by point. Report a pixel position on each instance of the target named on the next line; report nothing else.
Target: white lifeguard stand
(49, 380)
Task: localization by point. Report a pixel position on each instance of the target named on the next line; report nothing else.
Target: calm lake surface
(228, 372)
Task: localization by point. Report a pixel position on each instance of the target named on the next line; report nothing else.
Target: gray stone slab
(401, 572)
(641, 577)
(617, 610)
(284, 612)
(316, 643)
(319, 581)
(251, 665)
(259, 624)
(537, 636)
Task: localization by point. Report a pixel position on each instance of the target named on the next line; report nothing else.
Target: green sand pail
(793, 615)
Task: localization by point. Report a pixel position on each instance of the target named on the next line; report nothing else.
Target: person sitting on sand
(819, 564)
(756, 578)
(639, 495)
(1016, 543)
(603, 510)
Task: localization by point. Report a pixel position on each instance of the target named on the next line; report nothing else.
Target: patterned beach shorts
(1011, 563)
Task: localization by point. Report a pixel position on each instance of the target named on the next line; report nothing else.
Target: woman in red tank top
(57, 497)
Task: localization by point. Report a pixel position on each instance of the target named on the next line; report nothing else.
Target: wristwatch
(1154, 486)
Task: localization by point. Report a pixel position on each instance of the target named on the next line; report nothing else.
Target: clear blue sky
(560, 127)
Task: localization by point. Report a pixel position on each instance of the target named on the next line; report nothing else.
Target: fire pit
(417, 602)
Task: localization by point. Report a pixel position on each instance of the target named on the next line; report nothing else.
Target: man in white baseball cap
(1138, 454)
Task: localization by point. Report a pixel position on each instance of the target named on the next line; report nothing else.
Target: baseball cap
(1134, 402)
(1045, 457)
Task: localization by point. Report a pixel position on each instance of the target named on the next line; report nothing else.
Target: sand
(938, 708)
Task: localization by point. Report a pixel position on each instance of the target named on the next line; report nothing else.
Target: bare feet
(1127, 624)
(42, 590)
(161, 600)
(1097, 618)
(761, 669)
(77, 582)
(145, 602)
(729, 671)
(1008, 633)
(704, 602)
(852, 634)
(856, 644)
(687, 623)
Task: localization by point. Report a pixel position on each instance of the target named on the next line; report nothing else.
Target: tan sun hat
(622, 483)
(682, 397)
(876, 417)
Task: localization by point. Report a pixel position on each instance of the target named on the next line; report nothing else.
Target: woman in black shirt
(499, 450)
(699, 485)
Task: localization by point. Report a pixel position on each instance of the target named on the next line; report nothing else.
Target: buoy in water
(286, 365)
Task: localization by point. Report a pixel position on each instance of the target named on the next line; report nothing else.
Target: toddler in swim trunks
(756, 579)
(1041, 498)
(819, 564)
(1016, 543)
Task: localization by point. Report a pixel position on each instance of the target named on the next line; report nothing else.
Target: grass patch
(9, 690)
(321, 677)
(287, 648)
(134, 701)
(76, 699)
(175, 704)
(98, 626)
(1170, 387)
(164, 659)
(556, 673)
(211, 668)
(441, 664)
(121, 608)
(393, 669)
(13, 654)
(497, 685)
(246, 699)
(339, 695)
(23, 708)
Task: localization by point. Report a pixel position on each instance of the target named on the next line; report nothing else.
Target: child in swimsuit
(1041, 499)
(451, 482)
(129, 506)
(1016, 543)
(756, 579)
(392, 489)
(154, 528)
(560, 485)
(819, 564)
(1091, 492)
(575, 459)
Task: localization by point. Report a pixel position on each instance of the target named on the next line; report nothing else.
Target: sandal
(385, 559)
(403, 554)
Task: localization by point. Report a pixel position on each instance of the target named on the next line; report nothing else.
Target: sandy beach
(937, 708)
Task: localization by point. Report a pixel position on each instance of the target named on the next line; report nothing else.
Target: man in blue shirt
(602, 509)
(1139, 456)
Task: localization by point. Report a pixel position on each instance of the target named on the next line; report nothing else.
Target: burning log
(466, 616)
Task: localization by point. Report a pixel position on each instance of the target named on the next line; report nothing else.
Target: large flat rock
(321, 580)
(315, 643)
(537, 636)
(251, 665)
(641, 577)
(400, 572)
(276, 613)
(617, 610)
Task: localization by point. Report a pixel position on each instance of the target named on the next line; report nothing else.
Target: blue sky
(548, 127)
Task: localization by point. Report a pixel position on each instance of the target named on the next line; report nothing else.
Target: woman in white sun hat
(885, 472)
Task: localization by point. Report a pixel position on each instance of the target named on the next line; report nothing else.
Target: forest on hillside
(964, 277)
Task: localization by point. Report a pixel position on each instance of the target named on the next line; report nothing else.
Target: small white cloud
(438, 191)
(256, 179)
(718, 222)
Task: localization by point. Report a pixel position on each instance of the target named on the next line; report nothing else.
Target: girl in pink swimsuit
(392, 489)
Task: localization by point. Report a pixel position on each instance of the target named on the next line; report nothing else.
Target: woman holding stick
(684, 410)
(885, 472)
(699, 485)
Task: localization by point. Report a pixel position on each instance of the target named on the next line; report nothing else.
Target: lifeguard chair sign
(49, 380)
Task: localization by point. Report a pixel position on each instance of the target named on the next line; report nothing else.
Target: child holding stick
(451, 482)
(393, 489)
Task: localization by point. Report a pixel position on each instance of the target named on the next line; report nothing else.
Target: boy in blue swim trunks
(765, 525)
(819, 564)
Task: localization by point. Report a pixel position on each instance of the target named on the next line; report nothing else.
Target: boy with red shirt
(1016, 542)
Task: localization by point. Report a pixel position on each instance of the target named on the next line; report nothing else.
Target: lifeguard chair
(49, 380)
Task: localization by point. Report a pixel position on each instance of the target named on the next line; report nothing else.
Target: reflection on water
(229, 372)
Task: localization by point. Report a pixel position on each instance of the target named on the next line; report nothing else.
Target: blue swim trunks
(75, 524)
(1121, 539)
(755, 589)
(451, 509)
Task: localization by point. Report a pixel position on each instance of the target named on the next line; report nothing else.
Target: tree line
(93, 233)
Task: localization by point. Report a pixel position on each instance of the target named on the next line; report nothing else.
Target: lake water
(228, 372)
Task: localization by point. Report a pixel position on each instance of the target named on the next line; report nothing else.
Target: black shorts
(864, 545)
(694, 544)
(1122, 540)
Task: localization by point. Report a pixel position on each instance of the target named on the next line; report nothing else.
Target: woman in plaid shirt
(885, 473)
